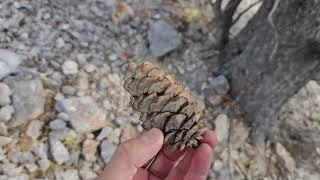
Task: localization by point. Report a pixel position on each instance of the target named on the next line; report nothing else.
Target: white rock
(60, 43)
(106, 150)
(44, 164)
(87, 173)
(82, 118)
(31, 167)
(28, 100)
(89, 68)
(5, 140)
(6, 113)
(105, 132)
(5, 93)
(57, 124)
(89, 150)
(9, 61)
(222, 125)
(34, 129)
(70, 174)
(70, 67)
(58, 151)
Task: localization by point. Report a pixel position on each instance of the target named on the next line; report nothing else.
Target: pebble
(89, 68)
(220, 84)
(60, 43)
(82, 118)
(121, 121)
(70, 174)
(222, 125)
(41, 150)
(68, 90)
(19, 177)
(9, 62)
(44, 164)
(58, 151)
(3, 129)
(6, 113)
(57, 124)
(26, 157)
(34, 129)
(5, 93)
(70, 67)
(63, 116)
(28, 98)
(106, 150)
(114, 136)
(89, 150)
(104, 133)
(87, 173)
(5, 140)
(74, 157)
(31, 167)
(113, 57)
(163, 38)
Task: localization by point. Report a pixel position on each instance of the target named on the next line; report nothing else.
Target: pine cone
(164, 103)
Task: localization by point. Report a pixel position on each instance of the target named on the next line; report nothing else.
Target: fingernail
(152, 136)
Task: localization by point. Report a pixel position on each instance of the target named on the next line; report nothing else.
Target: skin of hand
(144, 158)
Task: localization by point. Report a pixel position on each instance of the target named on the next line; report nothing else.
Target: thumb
(133, 154)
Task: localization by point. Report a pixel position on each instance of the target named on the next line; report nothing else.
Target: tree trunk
(272, 64)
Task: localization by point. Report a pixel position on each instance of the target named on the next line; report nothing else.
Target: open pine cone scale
(164, 103)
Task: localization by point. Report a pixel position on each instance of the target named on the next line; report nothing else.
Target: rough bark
(273, 64)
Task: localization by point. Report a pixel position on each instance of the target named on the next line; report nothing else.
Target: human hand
(133, 159)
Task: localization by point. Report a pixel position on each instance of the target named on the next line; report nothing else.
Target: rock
(44, 164)
(74, 157)
(19, 177)
(41, 150)
(26, 157)
(57, 124)
(31, 167)
(285, 157)
(163, 38)
(28, 98)
(89, 150)
(58, 151)
(68, 90)
(9, 61)
(106, 150)
(70, 174)
(4, 140)
(34, 129)
(63, 116)
(121, 121)
(82, 118)
(87, 173)
(222, 125)
(5, 93)
(114, 136)
(6, 113)
(89, 68)
(220, 84)
(104, 133)
(70, 67)
(60, 43)
(113, 57)
(3, 129)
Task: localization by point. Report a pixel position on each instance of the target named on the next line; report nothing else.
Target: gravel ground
(57, 58)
